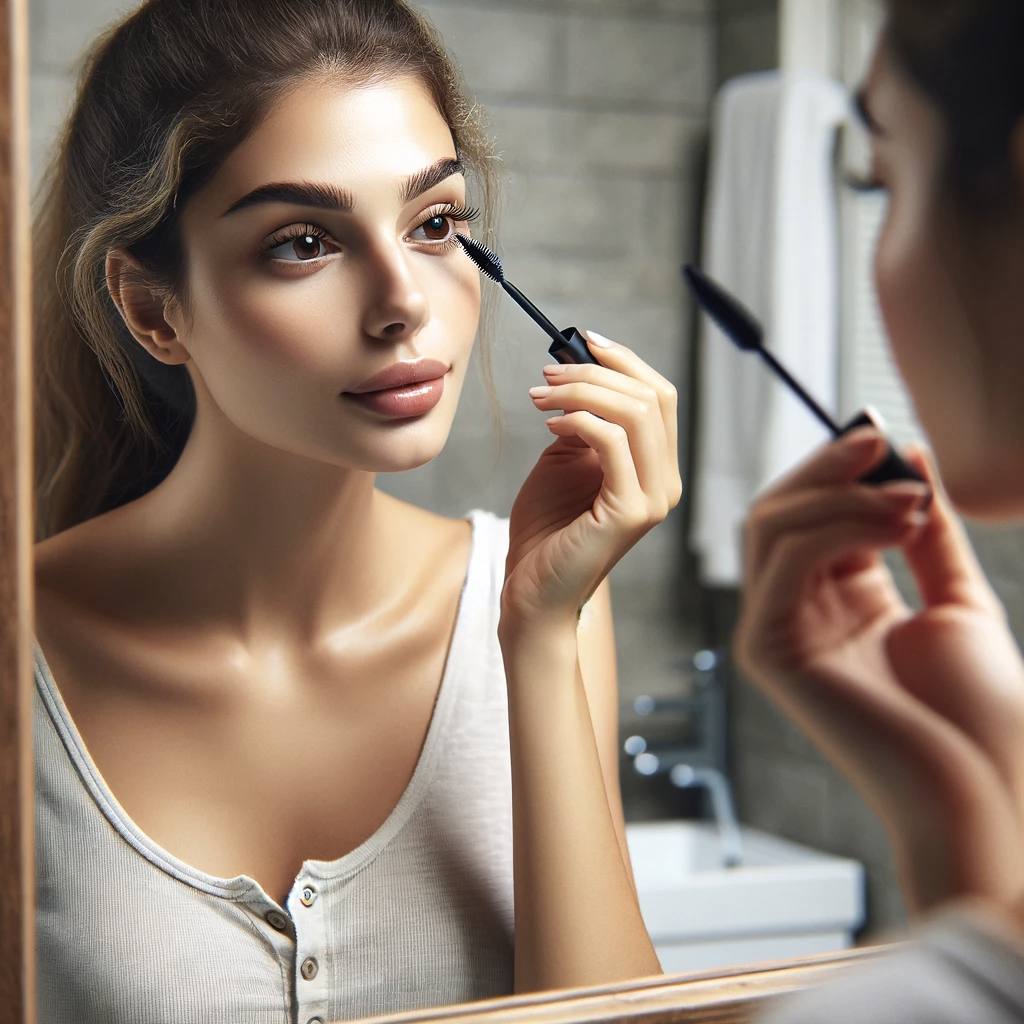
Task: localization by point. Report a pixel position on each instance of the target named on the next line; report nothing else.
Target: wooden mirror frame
(720, 997)
(17, 838)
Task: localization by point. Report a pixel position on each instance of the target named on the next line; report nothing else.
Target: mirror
(602, 111)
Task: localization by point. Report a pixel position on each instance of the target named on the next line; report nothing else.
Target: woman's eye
(437, 229)
(862, 184)
(301, 249)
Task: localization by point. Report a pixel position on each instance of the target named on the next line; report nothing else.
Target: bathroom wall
(748, 37)
(600, 108)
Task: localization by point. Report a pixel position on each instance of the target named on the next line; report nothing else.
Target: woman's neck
(258, 537)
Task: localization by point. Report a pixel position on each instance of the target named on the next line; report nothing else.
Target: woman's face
(950, 288)
(330, 311)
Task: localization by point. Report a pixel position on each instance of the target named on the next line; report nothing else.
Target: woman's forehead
(355, 138)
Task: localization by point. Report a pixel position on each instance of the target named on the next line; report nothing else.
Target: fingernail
(862, 437)
(554, 369)
(904, 491)
(600, 340)
(540, 392)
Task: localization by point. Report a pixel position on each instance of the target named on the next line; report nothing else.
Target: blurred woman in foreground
(924, 711)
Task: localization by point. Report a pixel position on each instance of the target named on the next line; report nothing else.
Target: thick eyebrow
(425, 180)
(331, 197)
(860, 105)
(298, 193)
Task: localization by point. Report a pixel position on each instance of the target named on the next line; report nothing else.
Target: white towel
(770, 237)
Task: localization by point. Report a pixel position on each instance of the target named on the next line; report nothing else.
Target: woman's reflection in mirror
(923, 709)
(304, 752)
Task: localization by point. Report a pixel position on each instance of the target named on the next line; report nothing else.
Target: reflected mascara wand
(739, 325)
(568, 346)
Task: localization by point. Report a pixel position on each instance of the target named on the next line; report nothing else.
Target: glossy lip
(402, 390)
(399, 375)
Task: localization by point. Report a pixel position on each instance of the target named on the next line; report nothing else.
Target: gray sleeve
(961, 970)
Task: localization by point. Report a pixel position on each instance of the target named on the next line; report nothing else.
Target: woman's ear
(143, 309)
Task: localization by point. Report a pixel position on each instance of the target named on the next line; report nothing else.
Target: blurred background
(605, 113)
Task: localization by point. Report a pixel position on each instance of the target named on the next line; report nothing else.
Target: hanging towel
(771, 238)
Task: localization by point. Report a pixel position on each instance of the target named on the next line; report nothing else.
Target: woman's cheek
(936, 353)
(453, 292)
(900, 291)
(283, 325)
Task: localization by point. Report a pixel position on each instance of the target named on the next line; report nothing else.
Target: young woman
(296, 739)
(923, 709)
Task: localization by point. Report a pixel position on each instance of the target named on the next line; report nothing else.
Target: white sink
(785, 900)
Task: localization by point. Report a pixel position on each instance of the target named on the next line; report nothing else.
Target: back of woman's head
(164, 98)
(968, 55)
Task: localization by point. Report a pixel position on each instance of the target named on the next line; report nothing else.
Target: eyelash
(456, 213)
(289, 234)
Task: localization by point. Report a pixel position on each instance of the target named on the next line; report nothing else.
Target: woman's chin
(404, 450)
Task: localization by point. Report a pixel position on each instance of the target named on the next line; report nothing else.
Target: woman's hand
(924, 712)
(610, 476)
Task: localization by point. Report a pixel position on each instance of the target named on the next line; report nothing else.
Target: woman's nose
(398, 306)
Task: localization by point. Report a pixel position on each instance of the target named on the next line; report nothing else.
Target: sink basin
(784, 901)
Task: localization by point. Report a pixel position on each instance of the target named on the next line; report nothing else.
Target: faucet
(687, 776)
(688, 767)
(684, 776)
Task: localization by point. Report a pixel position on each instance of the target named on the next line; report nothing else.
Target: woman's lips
(402, 390)
(403, 401)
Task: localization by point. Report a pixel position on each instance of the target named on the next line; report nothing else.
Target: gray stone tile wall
(748, 37)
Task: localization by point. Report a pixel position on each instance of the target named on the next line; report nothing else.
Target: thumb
(940, 554)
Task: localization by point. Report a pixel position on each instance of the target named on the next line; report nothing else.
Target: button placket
(312, 981)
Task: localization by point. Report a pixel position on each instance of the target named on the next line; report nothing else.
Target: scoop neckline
(338, 869)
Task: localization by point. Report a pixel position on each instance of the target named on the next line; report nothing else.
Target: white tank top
(419, 915)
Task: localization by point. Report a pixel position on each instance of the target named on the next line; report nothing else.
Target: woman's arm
(596, 644)
(609, 478)
(577, 919)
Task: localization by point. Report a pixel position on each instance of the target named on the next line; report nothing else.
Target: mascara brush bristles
(490, 266)
(484, 258)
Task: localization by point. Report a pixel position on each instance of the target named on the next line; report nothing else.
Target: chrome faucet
(684, 776)
(692, 766)
(687, 776)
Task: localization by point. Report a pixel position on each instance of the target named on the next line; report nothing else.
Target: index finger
(843, 461)
(618, 357)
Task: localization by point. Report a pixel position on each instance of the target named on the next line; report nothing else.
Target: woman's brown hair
(164, 97)
(968, 55)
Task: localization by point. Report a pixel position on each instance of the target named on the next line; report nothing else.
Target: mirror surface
(602, 112)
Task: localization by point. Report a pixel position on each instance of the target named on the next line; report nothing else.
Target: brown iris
(436, 229)
(307, 247)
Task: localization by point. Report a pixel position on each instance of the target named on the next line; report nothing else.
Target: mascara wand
(568, 346)
(740, 326)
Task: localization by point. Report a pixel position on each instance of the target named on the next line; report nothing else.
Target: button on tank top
(419, 915)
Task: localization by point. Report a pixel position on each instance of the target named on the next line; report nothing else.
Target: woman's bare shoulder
(421, 525)
(85, 559)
